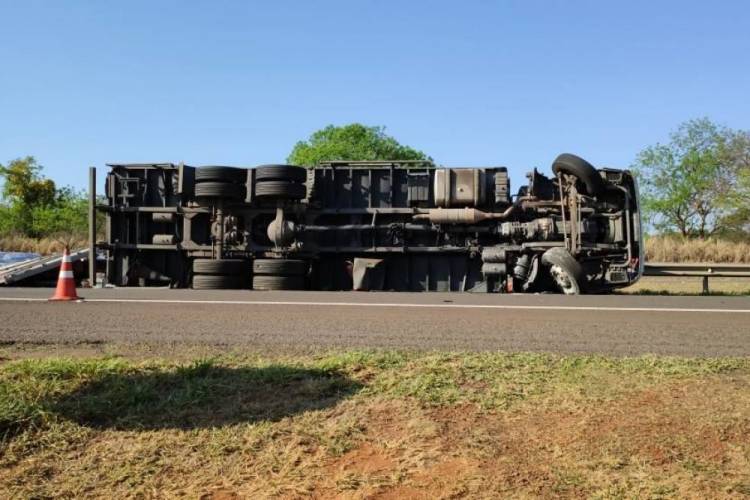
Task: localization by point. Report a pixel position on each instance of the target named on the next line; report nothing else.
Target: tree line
(697, 185)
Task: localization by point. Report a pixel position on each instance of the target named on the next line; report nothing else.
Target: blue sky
(471, 83)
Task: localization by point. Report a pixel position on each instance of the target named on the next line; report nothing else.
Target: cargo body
(403, 226)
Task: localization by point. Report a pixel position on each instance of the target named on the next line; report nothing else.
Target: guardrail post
(705, 285)
(92, 226)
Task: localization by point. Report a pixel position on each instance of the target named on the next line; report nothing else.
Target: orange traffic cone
(66, 285)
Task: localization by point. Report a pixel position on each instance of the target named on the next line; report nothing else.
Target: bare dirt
(656, 441)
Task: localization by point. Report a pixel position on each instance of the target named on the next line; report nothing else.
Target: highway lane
(614, 324)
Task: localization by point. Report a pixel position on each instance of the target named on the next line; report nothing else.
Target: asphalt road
(613, 324)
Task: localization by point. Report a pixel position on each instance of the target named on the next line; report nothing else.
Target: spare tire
(221, 174)
(219, 190)
(583, 170)
(566, 272)
(211, 282)
(237, 267)
(282, 190)
(280, 267)
(263, 282)
(289, 173)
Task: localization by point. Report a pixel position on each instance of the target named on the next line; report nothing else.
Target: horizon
(471, 85)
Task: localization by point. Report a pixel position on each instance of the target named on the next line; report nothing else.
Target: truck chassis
(376, 225)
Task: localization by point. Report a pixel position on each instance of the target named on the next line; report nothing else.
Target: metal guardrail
(705, 271)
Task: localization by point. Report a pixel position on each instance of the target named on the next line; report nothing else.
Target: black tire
(212, 282)
(262, 282)
(219, 190)
(282, 190)
(221, 174)
(585, 171)
(289, 173)
(228, 267)
(280, 267)
(566, 272)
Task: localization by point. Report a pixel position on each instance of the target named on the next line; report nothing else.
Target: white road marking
(401, 305)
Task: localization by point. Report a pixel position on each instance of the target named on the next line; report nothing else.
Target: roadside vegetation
(679, 249)
(34, 206)
(698, 184)
(42, 246)
(35, 214)
(375, 424)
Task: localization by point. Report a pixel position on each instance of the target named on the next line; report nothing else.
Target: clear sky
(471, 83)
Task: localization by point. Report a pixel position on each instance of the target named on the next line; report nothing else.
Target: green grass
(116, 393)
(279, 425)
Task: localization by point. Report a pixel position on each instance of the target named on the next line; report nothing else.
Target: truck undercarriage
(385, 225)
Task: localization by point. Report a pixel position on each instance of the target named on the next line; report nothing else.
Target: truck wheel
(289, 173)
(270, 282)
(236, 267)
(218, 190)
(281, 190)
(221, 174)
(280, 267)
(583, 170)
(565, 271)
(217, 282)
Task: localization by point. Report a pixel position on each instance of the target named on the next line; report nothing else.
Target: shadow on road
(202, 395)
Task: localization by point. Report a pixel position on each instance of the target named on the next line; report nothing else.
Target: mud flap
(368, 274)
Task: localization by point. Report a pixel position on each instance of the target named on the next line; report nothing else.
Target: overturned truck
(375, 225)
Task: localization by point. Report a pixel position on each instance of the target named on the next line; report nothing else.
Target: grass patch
(366, 423)
(43, 246)
(680, 249)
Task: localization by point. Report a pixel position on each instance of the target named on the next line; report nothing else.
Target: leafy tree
(33, 206)
(693, 184)
(351, 142)
(738, 151)
(24, 183)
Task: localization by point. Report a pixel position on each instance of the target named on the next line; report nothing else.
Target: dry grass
(43, 246)
(673, 285)
(377, 425)
(676, 249)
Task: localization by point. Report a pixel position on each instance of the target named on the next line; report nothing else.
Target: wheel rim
(564, 280)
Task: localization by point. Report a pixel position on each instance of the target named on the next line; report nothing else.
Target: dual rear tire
(268, 274)
(220, 274)
(280, 182)
(279, 274)
(220, 182)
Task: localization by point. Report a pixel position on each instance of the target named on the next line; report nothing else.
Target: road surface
(613, 324)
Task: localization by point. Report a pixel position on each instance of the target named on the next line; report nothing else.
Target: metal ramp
(26, 269)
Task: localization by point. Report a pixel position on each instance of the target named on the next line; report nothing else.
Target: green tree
(23, 183)
(693, 184)
(33, 206)
(351, 142)
(738, 151)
